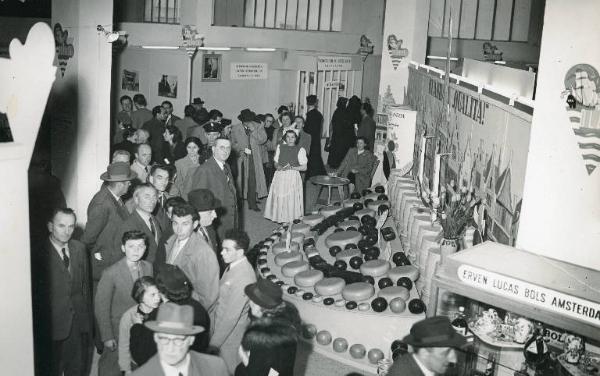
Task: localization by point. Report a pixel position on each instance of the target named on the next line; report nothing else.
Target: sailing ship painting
(582, 95)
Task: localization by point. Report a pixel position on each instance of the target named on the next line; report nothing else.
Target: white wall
(561, 201)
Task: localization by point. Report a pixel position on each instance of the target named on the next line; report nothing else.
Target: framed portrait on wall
(211, 68)
(167, 86)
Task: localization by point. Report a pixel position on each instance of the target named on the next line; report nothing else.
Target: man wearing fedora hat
(106, 214)
(246, 140)
(174, 334)
(200, 114)
(205, 202)
(433, 343)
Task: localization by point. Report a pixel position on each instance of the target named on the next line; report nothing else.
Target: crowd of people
(161, 275)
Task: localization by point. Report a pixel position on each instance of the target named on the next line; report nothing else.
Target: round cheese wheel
(312, 253)
(375, 268)
(375, 204)
(347, 254)
(313, 219)
(280, 247)
(364, 306)
(350, 202)
(362, 212)
(358, 291)
(398, 272)
(302, 228)
(308, 278)
(342, 238)
(283, 258)
(330, 286)
(329, 210)
(350, 223)
(292, 268)
(393, 292)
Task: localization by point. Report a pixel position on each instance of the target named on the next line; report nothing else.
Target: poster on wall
(325, 63)
(211, 68)
(487, 142)
(130, 80)
(582, 95)
(248, 71)
(167, 86)
(394, 47)
(64, 47)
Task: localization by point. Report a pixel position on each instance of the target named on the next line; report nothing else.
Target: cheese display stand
(527, 314)
(353, 288)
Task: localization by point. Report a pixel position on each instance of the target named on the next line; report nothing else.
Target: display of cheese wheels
(297, 237)
(302, 228)
(308, 278)
(349, 223)
(350, 202)
(280, 247)
(361, 213)
(342, 238)
(328, 211)
(375, 268)
(393, 292)
(358, 291)
(375, 204)
(292, 268)
(409, 271)
(313, 219)
(283, 258)
(330, 286)
(364, 306)
(347, 254)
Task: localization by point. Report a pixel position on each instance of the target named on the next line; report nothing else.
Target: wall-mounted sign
(340, 85)
(521, 291)
(248, 71)
(334, 63)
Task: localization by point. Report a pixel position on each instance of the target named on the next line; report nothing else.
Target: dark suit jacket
(156, 129)
(405, 365)
(105, 218)
(364, 163)
(200, 365)
(113, 297)
(61, 298)
(135, 222)
(210, 176)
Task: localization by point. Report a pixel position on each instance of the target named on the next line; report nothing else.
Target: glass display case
(523, 314)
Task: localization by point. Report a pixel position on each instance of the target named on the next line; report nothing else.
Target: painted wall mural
(64, 47)
(582, 94)
(488, 144)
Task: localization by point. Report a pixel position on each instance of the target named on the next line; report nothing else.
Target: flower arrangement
(453, 208)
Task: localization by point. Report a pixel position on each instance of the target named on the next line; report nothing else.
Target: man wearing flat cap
(174, 334)
(434, 342)
(106, 214)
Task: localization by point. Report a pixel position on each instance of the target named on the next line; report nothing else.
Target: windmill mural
(582, 94)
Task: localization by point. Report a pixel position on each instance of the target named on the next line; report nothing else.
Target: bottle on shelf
(460, 322)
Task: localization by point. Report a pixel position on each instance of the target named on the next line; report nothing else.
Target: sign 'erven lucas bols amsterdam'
(550, 300)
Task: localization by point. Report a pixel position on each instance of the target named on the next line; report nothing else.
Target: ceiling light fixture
(161, 47)
(214, 48)
(260, 49)
(432, 57)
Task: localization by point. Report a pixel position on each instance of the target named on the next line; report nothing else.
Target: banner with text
(541, 297)
(334, 63)
(248, 71)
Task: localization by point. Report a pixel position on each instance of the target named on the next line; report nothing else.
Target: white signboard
(335, 85)
(248, 71)
(550, 300)
(401, 125)
(334, 63)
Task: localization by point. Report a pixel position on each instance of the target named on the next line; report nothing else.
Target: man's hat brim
(171, 328)
(257, 296)
(106, 177)
(454, 340)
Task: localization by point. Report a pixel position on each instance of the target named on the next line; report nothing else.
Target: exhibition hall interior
(300, 187)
